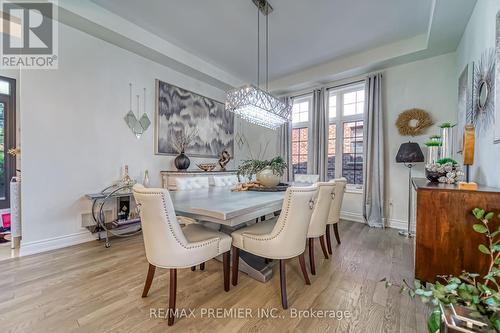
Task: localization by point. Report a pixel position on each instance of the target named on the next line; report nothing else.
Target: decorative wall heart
(138, 126)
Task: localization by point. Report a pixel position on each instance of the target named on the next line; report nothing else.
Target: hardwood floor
(87, 288)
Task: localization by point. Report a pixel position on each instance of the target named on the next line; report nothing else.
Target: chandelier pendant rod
(267, 52)
(258, 48)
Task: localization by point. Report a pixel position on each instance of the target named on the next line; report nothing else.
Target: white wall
(428, 84)
(74, 138)
(478, 37)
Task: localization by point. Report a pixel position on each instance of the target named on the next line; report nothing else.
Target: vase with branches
(181, 141)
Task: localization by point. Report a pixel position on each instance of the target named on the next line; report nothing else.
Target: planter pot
(433, 154)
(447, 141)
(182, 162)
(268, 178)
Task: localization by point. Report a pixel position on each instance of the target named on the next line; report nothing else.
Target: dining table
(227, 211)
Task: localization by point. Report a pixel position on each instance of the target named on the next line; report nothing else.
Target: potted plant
(480, 296)
(267, 172)
(433, 145)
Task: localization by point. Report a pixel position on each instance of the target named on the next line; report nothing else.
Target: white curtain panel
(373, 173)
(319, 134)
(285, 143)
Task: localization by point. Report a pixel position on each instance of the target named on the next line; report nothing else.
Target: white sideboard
(168, 177)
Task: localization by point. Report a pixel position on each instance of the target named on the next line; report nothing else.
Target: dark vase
(182, 162)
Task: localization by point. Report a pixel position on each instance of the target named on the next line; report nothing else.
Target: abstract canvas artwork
(179, 110)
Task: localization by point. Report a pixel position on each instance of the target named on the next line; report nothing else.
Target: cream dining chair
(282, 237)
(319, 218)
(191, 183)
(225, 181)
(188, 184)
(305, 178)
(170, 246)
(334, 215)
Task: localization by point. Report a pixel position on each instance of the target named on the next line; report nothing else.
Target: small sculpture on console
(224, 159)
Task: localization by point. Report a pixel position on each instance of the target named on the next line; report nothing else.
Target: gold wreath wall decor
(413, 122)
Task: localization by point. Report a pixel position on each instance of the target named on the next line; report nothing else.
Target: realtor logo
(29, 38)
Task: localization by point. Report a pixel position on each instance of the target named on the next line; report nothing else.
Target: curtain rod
(345, 84)
(328, 88)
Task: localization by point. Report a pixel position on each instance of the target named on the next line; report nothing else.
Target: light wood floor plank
(88, 288)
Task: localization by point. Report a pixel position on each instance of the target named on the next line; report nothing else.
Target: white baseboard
(354, 217)
(48, 244)
(389, 223)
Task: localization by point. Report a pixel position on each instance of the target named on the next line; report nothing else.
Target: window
(345, 135)
(352, 154)
(299, 150)
(345, 107)
(300, 133)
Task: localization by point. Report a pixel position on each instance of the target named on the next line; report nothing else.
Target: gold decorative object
(413, 122)
(469, 141)
(14, 151)
(246, 186)
(207, 166)
(224, 159)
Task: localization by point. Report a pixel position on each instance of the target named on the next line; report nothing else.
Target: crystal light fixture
(251, 103)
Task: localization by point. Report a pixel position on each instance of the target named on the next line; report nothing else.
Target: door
(7, 138)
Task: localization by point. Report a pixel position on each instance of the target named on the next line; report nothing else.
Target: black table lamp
(409, 153)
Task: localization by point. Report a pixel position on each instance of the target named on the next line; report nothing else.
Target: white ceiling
(302, 33)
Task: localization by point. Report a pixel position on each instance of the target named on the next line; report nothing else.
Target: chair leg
(323, 247)
(225, 269)
(328, 239)
(302, 263)
(202, 266)
(236, 261)
(284, 301)
(336, 231)
(149, 280)
(311, 256)
(193, 268)
(172, 295)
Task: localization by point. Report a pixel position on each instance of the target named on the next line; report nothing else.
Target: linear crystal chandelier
(251, 103)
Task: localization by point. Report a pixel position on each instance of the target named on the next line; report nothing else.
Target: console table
(445, 242)
(168, 177)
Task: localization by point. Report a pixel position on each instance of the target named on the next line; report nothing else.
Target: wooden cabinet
(445, 242)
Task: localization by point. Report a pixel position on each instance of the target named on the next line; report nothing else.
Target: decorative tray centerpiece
(207, 166)
(257, 186)
(281, 187)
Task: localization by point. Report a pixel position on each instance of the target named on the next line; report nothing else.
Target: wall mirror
(483, 95)
(482, 113)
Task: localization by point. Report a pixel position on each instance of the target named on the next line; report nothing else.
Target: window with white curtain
(345, 133)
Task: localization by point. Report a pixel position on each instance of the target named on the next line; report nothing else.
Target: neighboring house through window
(345, 133)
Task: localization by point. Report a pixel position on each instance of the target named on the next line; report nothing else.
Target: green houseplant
(479, 294)
(275, 167)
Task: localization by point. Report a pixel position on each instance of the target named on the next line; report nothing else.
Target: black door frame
(10, 139)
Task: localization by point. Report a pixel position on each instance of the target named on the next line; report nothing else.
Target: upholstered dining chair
(334, 216)
(280, 238)
(191, 183)
(170, 246)
(303, 178)
(319, 218)
(225, 181)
